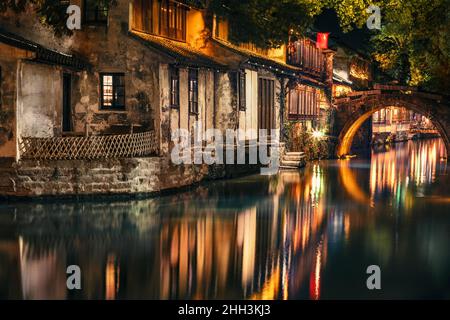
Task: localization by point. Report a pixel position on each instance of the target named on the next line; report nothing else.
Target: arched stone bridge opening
(353, 110)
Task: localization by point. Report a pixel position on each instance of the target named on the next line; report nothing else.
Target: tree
(266, 23)
(413, 45)
(50, 12)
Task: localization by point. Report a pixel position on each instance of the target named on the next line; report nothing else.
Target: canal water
(309, 234)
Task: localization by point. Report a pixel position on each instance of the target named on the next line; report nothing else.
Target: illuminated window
(193, 91)
(174, 87)
(96, 11)
(160, 17)
(112, 89)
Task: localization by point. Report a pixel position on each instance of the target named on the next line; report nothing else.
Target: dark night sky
(357, 39)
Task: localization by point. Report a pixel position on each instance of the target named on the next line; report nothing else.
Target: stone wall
(127, 177)
(79, 177)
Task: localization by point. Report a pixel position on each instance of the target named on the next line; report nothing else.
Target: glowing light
(317, 134)
(322, 40)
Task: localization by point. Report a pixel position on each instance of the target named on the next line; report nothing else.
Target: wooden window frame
(174, 74)
(266, 102)
(307, 103)
(179, 17)
(163, 18)
(193, 90)
(96, 20)
(242, 88)
(114, 105)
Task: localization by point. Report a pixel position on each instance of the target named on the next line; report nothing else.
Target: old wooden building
(95, 111)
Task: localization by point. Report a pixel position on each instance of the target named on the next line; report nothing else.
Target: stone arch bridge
(353, 110)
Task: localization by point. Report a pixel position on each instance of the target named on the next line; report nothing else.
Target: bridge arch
(351, 114)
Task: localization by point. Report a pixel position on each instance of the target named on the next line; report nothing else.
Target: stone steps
(292, 160)
(289, 168)
(291, 163)
(295, 153)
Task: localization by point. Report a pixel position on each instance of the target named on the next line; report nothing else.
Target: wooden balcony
(305, 55)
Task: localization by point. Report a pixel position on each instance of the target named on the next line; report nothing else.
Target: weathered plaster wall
(39, 100)
(108, 49)
(181, 118)
(8, 63)
(226, 116)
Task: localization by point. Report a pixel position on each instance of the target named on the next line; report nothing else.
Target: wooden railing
(89, 147)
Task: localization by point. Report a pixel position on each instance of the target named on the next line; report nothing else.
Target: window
(304, 103)
(193, 91)
(266, 103)
(112, 89)
(241, 91)
(96, 11)
(174, 87)
(160, 17)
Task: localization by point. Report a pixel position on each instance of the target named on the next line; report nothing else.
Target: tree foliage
(413, 45)
(266, 23)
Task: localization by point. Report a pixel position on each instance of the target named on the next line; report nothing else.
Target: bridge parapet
(380, 89)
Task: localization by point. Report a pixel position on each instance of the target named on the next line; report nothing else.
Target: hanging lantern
(322, 40)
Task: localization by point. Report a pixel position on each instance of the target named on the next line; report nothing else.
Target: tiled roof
(181, 52)
(259, 59)
(192, 3)
(43, 54)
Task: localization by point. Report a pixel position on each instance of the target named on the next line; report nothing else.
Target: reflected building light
(316, 184)
(43, 272)
(111, 278)
(314, 282)
(373, 180)
(346, 227)
(270, 288)
(247, 228)
(285, 276)
(183, 265)
(397, 168)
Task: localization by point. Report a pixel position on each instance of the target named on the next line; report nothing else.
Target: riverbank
(126, 178)
(231, 239)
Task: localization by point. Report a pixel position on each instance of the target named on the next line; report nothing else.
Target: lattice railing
(91, 147)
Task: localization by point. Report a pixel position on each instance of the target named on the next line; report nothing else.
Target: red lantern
(322, 40)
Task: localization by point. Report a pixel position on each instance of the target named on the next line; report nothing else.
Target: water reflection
(298, 235)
